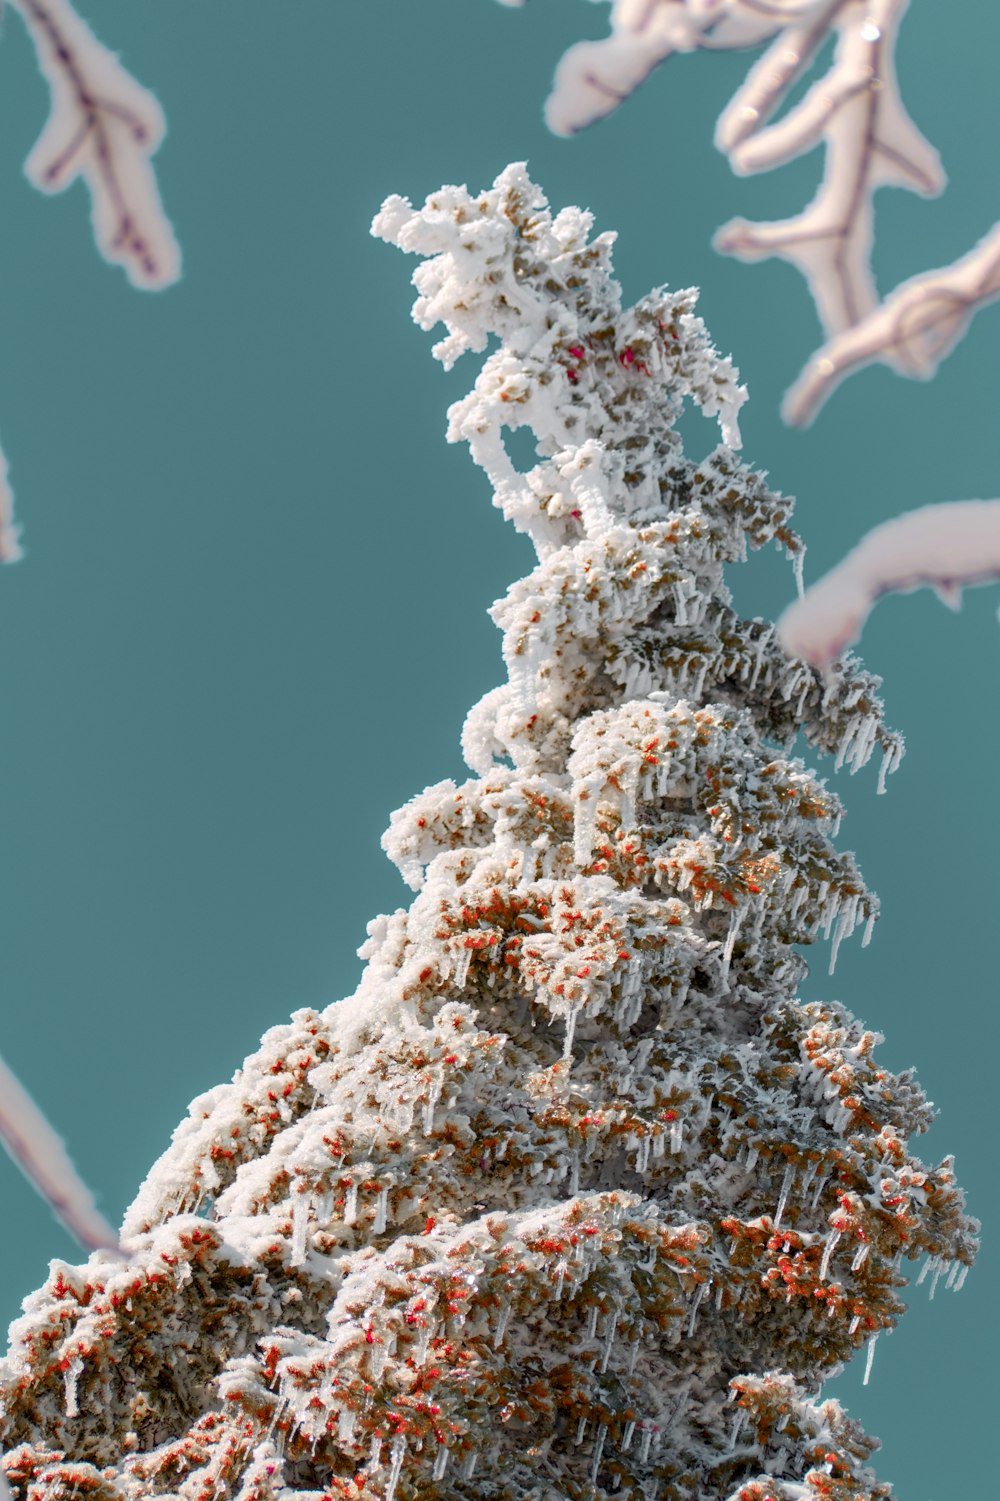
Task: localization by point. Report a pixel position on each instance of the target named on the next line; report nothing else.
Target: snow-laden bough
(946, 548)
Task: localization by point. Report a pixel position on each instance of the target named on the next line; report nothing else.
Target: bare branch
(945, 547)
(103, 127)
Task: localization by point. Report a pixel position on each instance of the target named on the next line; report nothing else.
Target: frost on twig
(38, 1151)
(854, 110)
(912, 330)
(103, 127)
(946, 547)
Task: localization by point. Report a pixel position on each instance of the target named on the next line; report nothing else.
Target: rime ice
(574, 1169)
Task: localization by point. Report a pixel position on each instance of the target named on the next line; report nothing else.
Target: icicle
(461, 973)
(798, 562)
(501, 1328)
(647, 1439)
(567, 1053)
(844, 926)
(581, 1429)
(939, 1268)
(869, 925)
(71, 1375)
(752, 1156)
(786, 1184)
(931, 1261)
(862, 746)
(433, 1095)
(592, 1322)
(820, 1185)
(627, 1435)
(860, 1257)
(891, 757)
(735, 919)
(396, 1465)
(698, 1295)
(719, 1290)
(376, 1452)
(574, 1174)
(469, 1467)
(739, 1419)
(351, 1205)
(961, 1278)
(609, 1339)
(300, 1224)
(871, 1357)
(633, 1356)
(345, 1425)
(595, 1462)
(760, 647)
(952, 1274)
(642, 1155)
(423, 1343)
(828, 1250)
(380, 1211)
(676, 1135)
(440, 1462)
(852, 1326)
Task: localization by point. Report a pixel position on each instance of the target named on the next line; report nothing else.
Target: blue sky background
(252, 612)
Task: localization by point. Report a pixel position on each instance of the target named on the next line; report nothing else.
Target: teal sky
(251, 615)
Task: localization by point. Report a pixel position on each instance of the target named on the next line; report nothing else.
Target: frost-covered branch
(38, 1151)
(946, 548)
(854, 110)
(912, 330)
(103, 127)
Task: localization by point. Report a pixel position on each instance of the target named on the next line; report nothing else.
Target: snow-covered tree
(573, 1198)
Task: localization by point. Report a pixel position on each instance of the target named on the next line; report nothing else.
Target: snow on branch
(854, 110)
(912, 330)
(39, 1152)
(946, 547)
(103, 127)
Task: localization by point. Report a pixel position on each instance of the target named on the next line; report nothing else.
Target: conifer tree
(573, 1198)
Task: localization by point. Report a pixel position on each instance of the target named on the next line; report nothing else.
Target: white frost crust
(946, 547)
(41, 1156)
